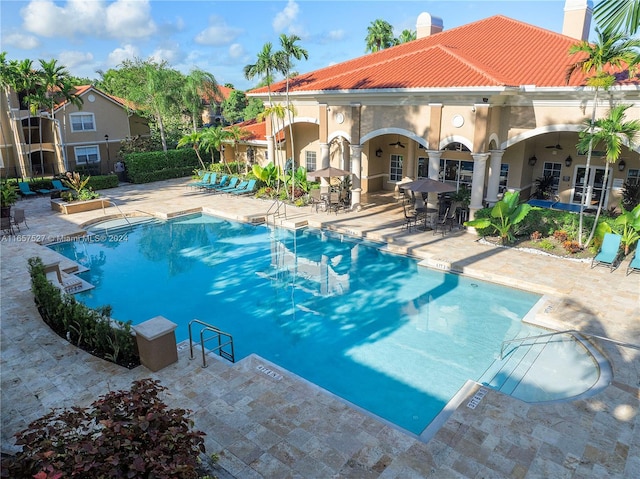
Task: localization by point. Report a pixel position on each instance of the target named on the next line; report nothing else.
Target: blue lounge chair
(634, 265)
(25, 190)
(206, 178)
(233, 187)
(250, 188)
(609, 251)
(57, 185)
(224, 182)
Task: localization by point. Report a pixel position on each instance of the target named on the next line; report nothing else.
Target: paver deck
(265, 427)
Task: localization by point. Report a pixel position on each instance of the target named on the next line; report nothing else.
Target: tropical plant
(122, 434)
(504, 217)
(8, 194)
(193, 139)
(630, 194)
(406, 36)
(234, 106)
(611, 132)
(618, 15)
(213, 139)
(268, 174)
(379, 36)
(197, 85)
(629, 222)
(544, 187)
(236, 135)
(610, 49)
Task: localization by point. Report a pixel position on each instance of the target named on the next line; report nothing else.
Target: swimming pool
(374, 328)
(555, 205)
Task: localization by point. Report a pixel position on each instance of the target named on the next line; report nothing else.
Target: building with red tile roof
(484, 106)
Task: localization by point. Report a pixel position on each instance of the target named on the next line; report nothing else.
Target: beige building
(73, 138)
(484, 106)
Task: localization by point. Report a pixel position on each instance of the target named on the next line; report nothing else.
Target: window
(86, 155)
(633, 177)
(311, 160)
(552, 170)
(423, 167)
(82, 122)
(456, 172)
(395, 171)
(504, 175)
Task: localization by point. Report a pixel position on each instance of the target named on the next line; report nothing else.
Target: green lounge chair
(634, 265)
(609, 251)
(250, 188)
(57, 185)
(25, 190)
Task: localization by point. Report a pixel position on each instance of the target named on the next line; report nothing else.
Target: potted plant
(8, 197)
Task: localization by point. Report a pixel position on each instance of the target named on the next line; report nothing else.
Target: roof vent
(428, 25)
(577, 19)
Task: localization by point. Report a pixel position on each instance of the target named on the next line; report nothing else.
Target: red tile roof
(495, 52)
(224, 95)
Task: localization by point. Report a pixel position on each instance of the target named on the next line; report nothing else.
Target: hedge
(159, 165)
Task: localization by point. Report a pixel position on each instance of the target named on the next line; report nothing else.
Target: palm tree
(277, 112)
(194, 140)
(290, 51)
(198, 84)
(26, 82)
(611, 132)
(406, 36)
(379, 36)
(610, 49)
(265, 66)
(618, 15)
(236, 134)
(213, 139)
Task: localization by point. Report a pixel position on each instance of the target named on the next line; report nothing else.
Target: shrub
(547, 245)
(571, 246)
(89, 329)
(129, 434)
(103, 182)
(560, 236)
(535, 236)
(158, 165)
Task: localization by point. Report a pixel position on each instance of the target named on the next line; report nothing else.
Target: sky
(221, 37)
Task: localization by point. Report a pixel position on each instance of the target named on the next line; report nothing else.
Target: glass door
(595, 186)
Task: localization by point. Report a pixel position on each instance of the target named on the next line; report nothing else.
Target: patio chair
(57, 185)
(316, 201)
(18, 217)
(249, 188)
(442, 224)
(223, 183)
(233, 183)
(7, 226)
(25, 190)
(609, 251)
(634, 264)
(205, 180)
(410, 217)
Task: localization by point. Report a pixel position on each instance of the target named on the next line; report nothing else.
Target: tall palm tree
(198, 84)
(379, 36)
(26, 82)
(618, 15)
(610, 49)
(611, 132)
(277, 112)
(406, 36)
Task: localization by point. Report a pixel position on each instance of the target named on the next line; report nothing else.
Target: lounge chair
(206, 178)
(233, 182)
(18, 217)
(249, 188)
(57, 185)
(634, 264)
(68, 283)
(609, 251)
(223, 183)
(25, 190)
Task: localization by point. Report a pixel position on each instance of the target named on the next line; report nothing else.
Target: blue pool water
(556, 205)
(377, 329)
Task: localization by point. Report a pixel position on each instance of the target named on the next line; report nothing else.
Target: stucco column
(356, 175)
(271, 149)
(324, 163)
(477, 182)
(433, 173)
(493, 182)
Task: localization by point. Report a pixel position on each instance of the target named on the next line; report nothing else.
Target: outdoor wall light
(379, 152)
(622, 165)
(533, 160)
(568, 161)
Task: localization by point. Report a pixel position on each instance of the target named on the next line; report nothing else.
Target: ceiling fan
(557, 146)
(397, 144)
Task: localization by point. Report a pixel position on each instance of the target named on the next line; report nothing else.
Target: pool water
(374, 328)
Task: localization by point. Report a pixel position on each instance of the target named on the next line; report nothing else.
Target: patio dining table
(426, 216)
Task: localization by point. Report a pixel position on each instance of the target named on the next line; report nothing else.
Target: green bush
(103, 182)
(158, 165)
(130, 434)
(89, 329)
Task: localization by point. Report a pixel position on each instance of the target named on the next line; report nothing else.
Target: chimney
(427, 25)
(577, 19)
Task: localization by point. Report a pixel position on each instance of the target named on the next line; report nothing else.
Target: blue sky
(223, 36)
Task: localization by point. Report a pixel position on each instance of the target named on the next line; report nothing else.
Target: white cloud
(217, 33)
(171, 55)
(285, 19)
(336, 35)
(75, 60)
(117, 56)
(236, 51)
(21, 40)
(130, 19)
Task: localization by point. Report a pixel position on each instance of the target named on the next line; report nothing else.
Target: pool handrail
(228, 355)
(567, 331)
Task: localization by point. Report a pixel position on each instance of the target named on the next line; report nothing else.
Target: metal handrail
(113, 203)
(229, 356)
(278, 204)
(567, 331)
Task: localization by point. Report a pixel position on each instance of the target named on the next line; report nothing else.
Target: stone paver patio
(266, 427)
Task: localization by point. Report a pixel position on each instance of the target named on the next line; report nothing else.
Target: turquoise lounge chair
(634, 265)
(250, 188)
(57, 185)
(25, 190)
(206, 178)
(239, 185)
(224, 182)
(609, 251)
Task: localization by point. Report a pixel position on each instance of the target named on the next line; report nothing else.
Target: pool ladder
(224, 340)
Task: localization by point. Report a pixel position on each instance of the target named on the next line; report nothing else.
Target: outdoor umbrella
(427, 185)
(329, 172)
